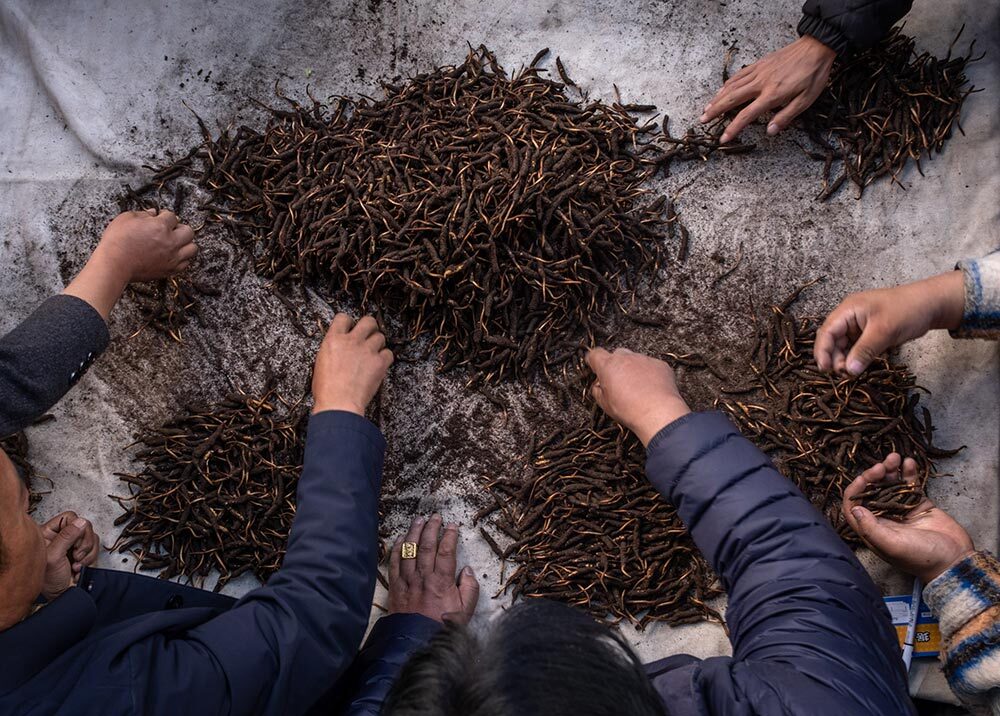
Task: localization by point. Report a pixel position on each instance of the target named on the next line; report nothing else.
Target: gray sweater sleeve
(45, 356)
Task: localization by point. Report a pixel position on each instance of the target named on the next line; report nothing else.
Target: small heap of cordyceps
(882, 108)
(588, 529)
(216, 490)
(822, 431)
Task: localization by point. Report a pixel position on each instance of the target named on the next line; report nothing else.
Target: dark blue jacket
(125, 644)
(810, 633)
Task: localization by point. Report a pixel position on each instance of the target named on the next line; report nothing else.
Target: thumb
(468, 592)
(63, 541)
(597, 359)
(869, 345)
(872, 530)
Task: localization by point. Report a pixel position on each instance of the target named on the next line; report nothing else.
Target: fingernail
(773, 129)
(467, 571)
(703, 118)
(857, 512)
(80, 522)
(724, 138)
(855, 367)
(451, 526)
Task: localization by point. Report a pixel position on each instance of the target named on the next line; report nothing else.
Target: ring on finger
(408, 550)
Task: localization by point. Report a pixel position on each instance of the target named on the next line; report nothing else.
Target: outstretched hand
(636, 390)
(426, 584)
(867, 324)
(925, 543)
(792, 78)
(351, 364)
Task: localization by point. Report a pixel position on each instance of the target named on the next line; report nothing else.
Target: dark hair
(539, 657)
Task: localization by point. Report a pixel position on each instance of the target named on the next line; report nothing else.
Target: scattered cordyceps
(217, 489)
(823, 431)
(493, 213)
(882, 108)
(587, 528)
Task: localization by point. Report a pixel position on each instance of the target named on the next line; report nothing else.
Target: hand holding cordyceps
(790, 78)
(636, 390)
(136, 246)
(925, 543)
(351, 364)
(867, 324)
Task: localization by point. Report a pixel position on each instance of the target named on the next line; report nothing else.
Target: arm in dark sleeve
(847, 26)
(392, 641)
(810, 632)
(45, 356)
(281, 647)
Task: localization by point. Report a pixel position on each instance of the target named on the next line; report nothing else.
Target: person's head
(22, 548)
(539, 657)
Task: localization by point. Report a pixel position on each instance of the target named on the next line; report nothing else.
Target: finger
(741, 79)
(64, 540)
(447, 561)
(830, 335)
(748, 115)
(53, 526)
(395, 557)
(875, 531)
(377, 341)
(730, 98)
(427, 550)
(85, 544)
(386, 355)
(891, 463)
(342, 323)
(187, 252)
(793, 109)
(408, 567)
(168, 217)
(152, 211)
(365, 327)
(597, 359)
(910, 473)
(468, 592)
(183, 234)
(870, 344)
(597, 390)
(182, 267)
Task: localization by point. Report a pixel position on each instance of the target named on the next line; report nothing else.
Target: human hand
(71, 544)
(792, 77)
(925, 543)
(869, 323)
(146, 245)
(351, 365)
(426, 585)
(636, 390)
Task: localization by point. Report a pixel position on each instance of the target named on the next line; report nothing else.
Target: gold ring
(408, 550)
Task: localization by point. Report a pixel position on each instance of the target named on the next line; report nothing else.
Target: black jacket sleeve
(45, 356)
(847, 26)
(809, 630)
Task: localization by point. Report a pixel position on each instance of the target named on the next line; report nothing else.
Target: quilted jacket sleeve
(810, 633)
(847, 26)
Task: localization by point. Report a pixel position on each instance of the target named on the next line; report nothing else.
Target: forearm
(797, 596)
(847, 26)
(304, 627)
(981, 285)
(100, 283)
(43, 357)
(966, 600)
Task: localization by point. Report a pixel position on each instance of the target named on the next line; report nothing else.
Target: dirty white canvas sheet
(92, 89)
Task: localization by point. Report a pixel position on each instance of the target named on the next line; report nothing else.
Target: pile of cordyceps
(822, 431)
(493, 213)
(217, 489)
(882, 108)
(587, 528)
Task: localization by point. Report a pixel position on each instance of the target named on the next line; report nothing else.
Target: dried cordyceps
(587, 528)
(822, 431)
(217, 489)
(882, 108)
(495, 214)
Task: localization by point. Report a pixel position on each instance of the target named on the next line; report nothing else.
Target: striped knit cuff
(981, 318)
(964, 592)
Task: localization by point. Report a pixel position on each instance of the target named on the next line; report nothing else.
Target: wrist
(347, 406)
(109, 267)
(666, 411)
(949, 299)
(824, 52)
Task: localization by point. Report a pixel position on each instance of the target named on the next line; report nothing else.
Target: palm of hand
(926, 543)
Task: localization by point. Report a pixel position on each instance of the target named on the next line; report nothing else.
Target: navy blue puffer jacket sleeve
(810, 633)
(847, 26)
